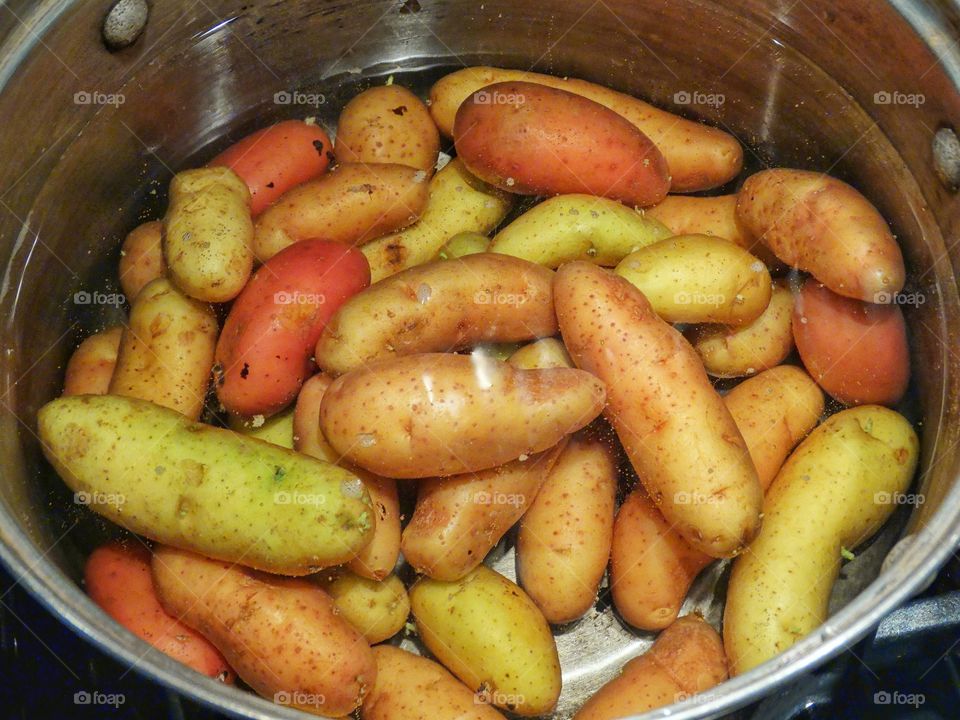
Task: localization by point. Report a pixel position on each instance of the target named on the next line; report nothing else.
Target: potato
(459, 519)
(410, 687)
(819, 224)
(387, 124)
(166, 352)
(277, 429)
(353, 204)
(564, 539)
(213, 491)
(545, 353)
(835, 491)
(699, 156)
(732, 351)
(698, 278)
(377, 609)
(437, 414)
(141, 258)
(463, 244)
(117, 578)
(577, 227)
(91, 366)
(307, 437)
(440, 307)
(458, 202)
(677, 432)
(207, 234)
(686, 659)
(489, 634)
(856, 351)
(283, 636)
(532, 139)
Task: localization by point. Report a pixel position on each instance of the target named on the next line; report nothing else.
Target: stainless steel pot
(88, 137)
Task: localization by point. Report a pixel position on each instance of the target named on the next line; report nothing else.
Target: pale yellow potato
(492, 636)
(439, 414)
(463, 244)
(377, 609)
(457, 202)
(698, 279)
(544, 353)
(208, 234)
(442, 306)
(834, 492)
(675, 428)
(565, 228)
(141, 258)
(166, 352)
(91, 366)
(276, 429)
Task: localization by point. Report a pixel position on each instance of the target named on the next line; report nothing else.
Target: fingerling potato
(544, 353)
(378, 609)
(141, 258)
(463, 244)
(91, 366)
(277, 429)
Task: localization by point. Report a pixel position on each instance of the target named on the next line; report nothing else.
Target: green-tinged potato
(141, 258)
(491, 635)
(438, 414)
(352, 204)
(457, 202)
(440, 307)
(166, 352)
(678, 434)
(820, 224)
(277, 429)
(206, 489)
(698, 278)
(377, 609)
(578, 227)
(463, 244)
(208, 233)
(834, 492)
(283, 636)
(544, 353)
(565, 536)
(90, 368)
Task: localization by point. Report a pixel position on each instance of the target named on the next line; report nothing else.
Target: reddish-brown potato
(141, 258)
(91, 366)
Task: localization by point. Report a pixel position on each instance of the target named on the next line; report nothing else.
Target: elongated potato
(820, 224)
(677, 432)
(353, 204)
(208, 234)
(491, 635)
(91, 366)
(378, 609)
(410, 687)
(835, 491)
(463, 244)
(307, 437)
(156, 473)
(437, 414)
(283, 636)
(458, 202)
(545, 353)
(141, 258)
(699, 156)
(686, 659)
(166, 352)
(277, 429)
(578, 227)
(565, 536)
(440, 307)
(698, 278)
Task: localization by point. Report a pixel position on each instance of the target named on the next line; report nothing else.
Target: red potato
(856, 351)
(276, 159)
(264, 352)
(141, 258)
(117, 577)
(531, 139)
(91, 366)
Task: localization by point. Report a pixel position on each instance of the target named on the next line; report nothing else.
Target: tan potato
(307, 437)
(91, 366)
(440, 307)
(141, 258)
(378, 609)
(437, 414)
(166, 352)
(353, 204)
(463, 244)
(283, 636)
(277, 429)
(545, 353)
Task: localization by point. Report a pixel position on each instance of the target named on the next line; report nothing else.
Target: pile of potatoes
(559, 378)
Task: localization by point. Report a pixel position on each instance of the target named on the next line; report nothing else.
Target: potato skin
(277, 429)
(856, 351)
(675, 429)
(475, 413)
(283, 636)
(531, 139)
(544, 353)
(91, 366)
(378, 609)
(166, 351)
(463, 244)
(820, 224)
(490, 634)
(835, 491)
(141, 258)
(440, 307)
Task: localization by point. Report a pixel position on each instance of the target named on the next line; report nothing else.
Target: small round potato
(377, 609)
(545, 353)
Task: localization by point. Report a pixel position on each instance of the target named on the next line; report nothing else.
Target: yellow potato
(834, 492)
(207, 233)
(463, 244)
(438, 414)
(545, 353)
(698, 278)
(491, 635)
(440, 307)
(378, 609)
(565, 228)
(91, 366)
(167, 348)
(458, 202)
(141, 258)
(277, 429)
